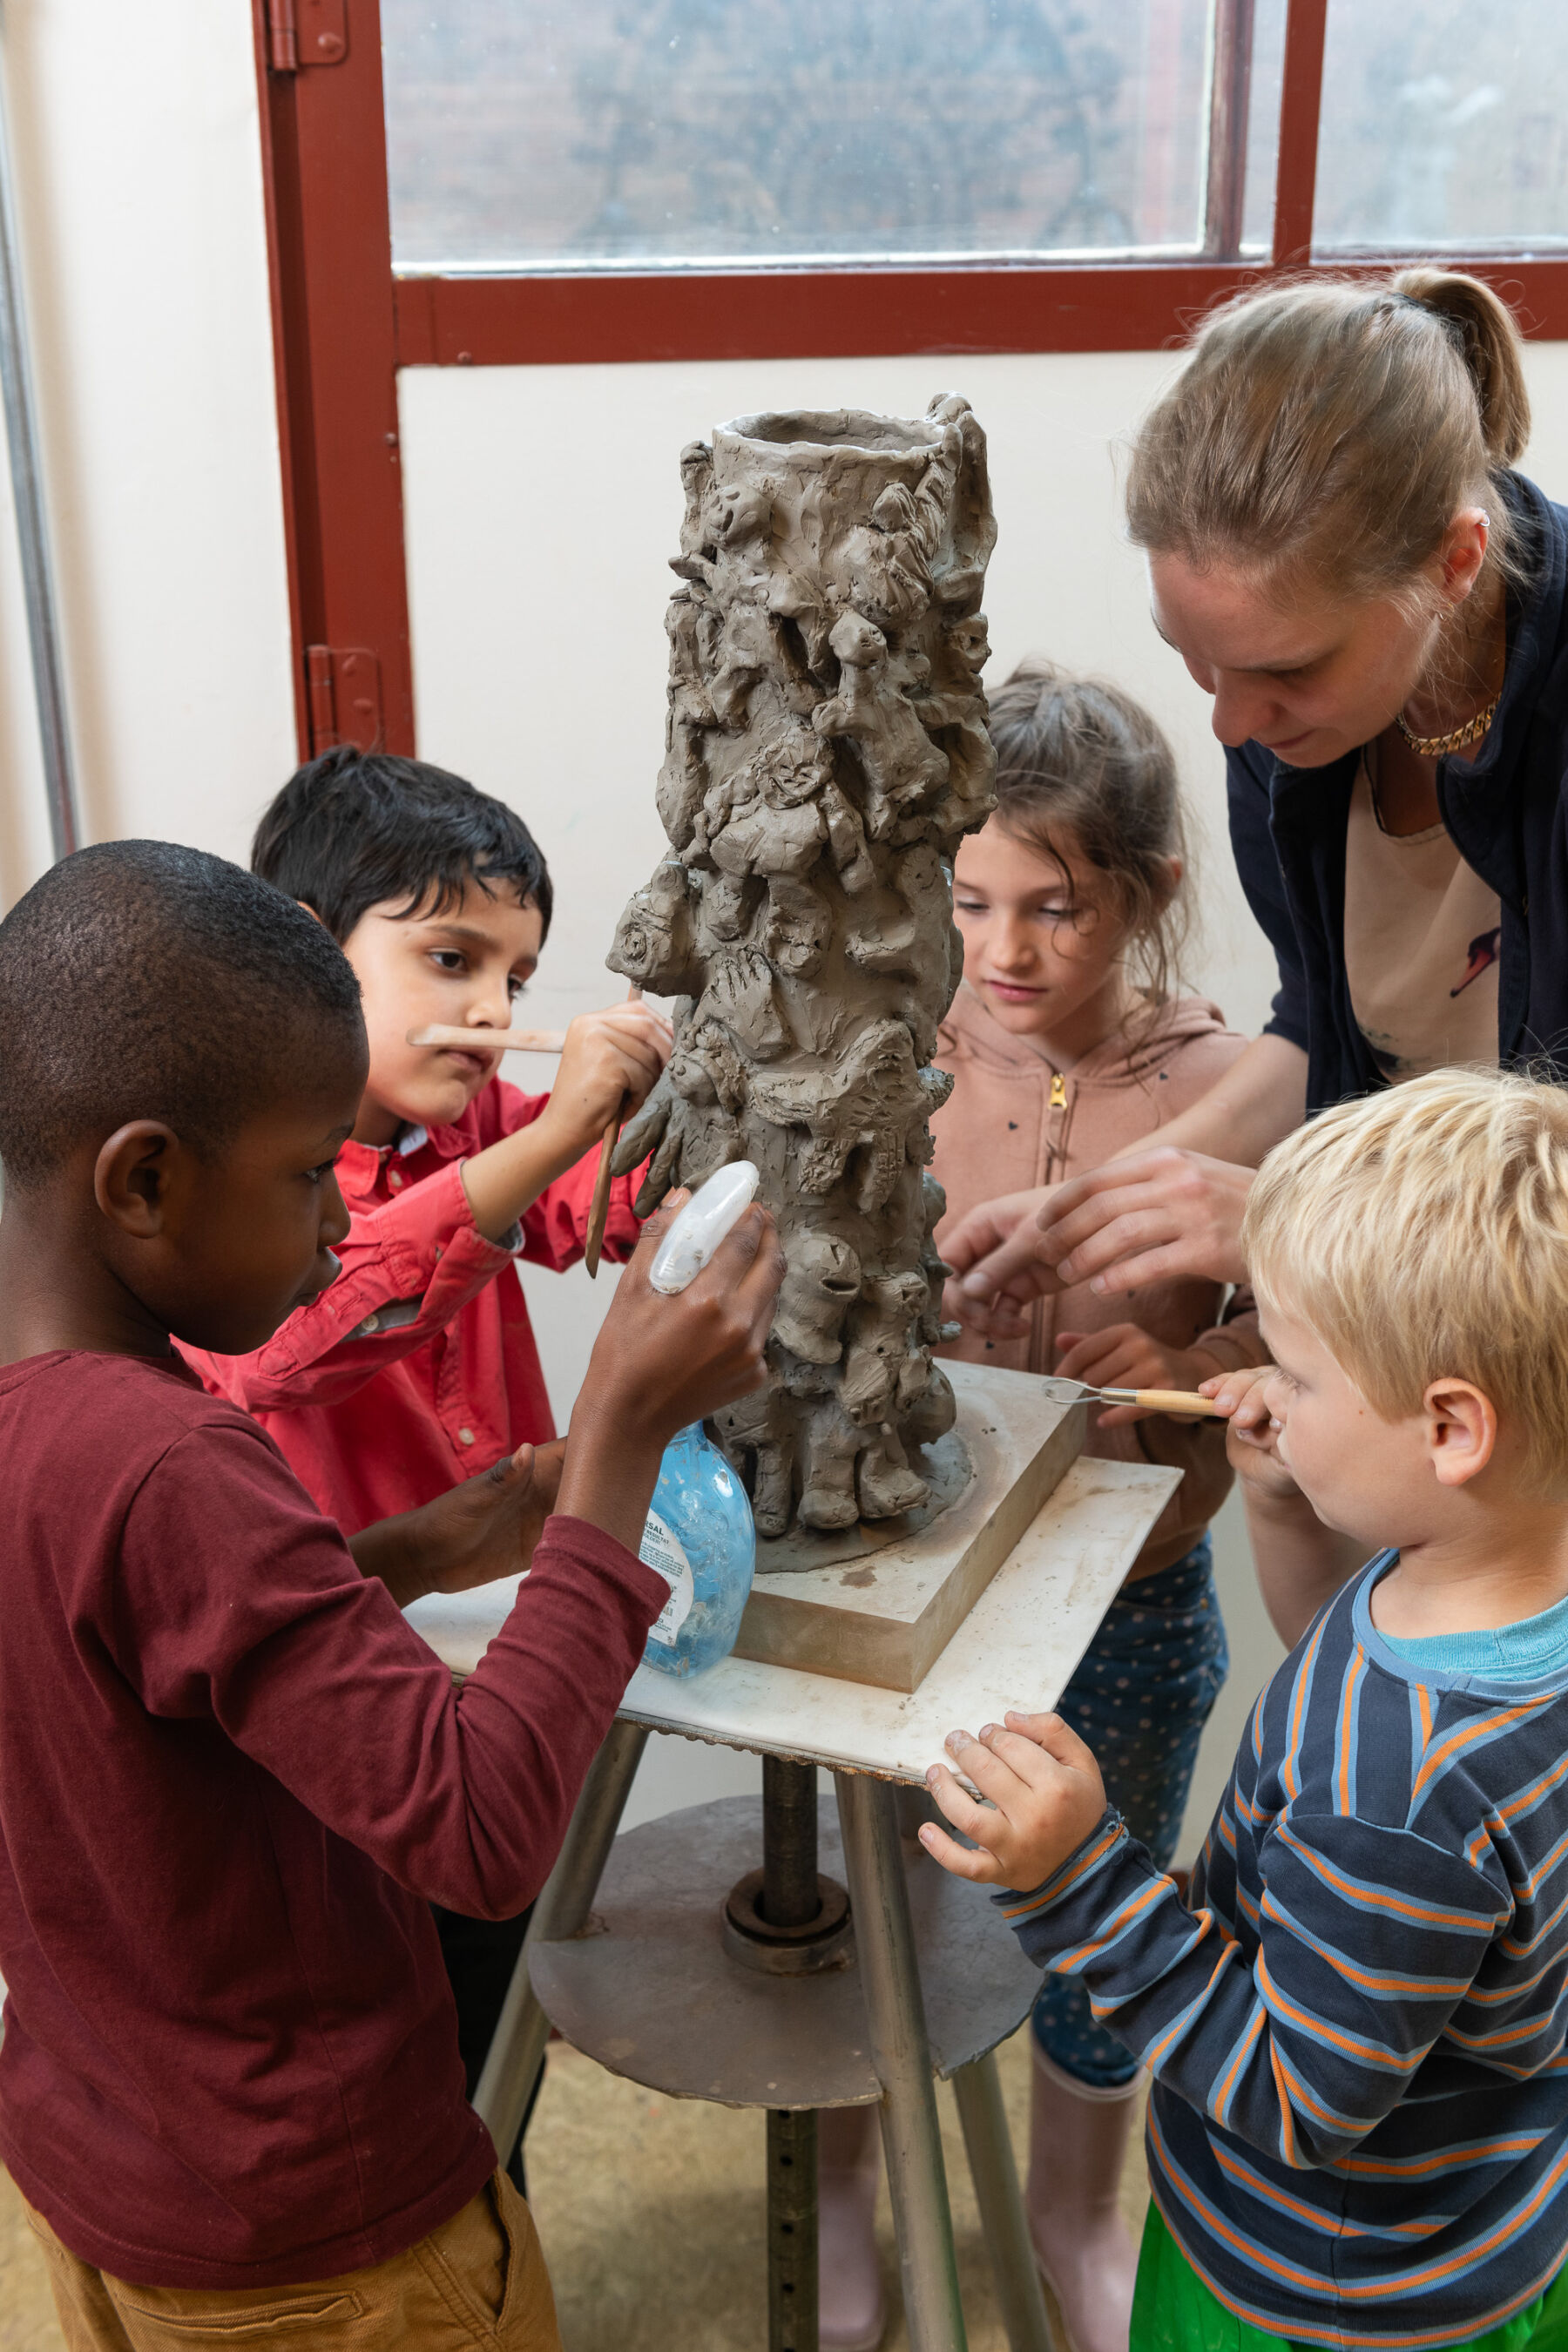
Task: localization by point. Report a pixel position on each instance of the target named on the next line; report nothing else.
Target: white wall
(542, 504)
(139, 170)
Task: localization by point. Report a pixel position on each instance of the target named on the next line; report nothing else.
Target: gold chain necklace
(1437, 746)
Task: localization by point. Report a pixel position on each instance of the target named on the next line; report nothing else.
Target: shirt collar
(361, 1167)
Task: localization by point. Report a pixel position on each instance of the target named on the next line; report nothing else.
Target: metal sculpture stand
(777, 1937)
(523, 2029)
(659, 1991)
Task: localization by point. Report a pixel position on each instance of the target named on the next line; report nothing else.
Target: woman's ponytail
(1333, 428)
(1493, 353)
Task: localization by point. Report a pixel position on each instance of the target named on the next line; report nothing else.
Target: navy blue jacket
(1506, 811)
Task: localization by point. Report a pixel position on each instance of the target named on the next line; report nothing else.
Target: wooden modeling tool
(600, 1208)
(1151, 1400)
(490, 1041)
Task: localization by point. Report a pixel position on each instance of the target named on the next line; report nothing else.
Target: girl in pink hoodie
(1067, 1044)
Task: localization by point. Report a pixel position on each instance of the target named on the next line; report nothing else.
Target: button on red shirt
(376, 1412)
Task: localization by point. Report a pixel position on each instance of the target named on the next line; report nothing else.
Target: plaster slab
(1017, 1648)
(886, 1618)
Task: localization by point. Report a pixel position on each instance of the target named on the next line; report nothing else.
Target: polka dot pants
(1140, 1698)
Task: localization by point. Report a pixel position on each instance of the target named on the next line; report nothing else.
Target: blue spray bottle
(699, 1534)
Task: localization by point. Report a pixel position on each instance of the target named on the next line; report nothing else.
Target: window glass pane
(1443, 124)
(525, 135)
(1263, 125)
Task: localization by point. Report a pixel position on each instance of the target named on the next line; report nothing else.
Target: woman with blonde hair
(1343, 551)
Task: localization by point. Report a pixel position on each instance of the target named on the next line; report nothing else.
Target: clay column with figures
(826, 749)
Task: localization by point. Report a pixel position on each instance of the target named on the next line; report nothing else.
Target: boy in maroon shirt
(231, 1776)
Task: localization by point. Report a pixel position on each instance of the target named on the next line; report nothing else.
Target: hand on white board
(1045, 1797)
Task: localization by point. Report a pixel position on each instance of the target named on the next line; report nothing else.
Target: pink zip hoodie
(1013, 1121)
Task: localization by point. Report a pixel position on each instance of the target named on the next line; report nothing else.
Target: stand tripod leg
(792, 2231)
(522, 2028)
(978, 2091)
(900, 2056)
(790, 1899)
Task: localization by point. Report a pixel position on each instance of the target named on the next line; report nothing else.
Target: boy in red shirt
(232, 1778)
(418, 1367)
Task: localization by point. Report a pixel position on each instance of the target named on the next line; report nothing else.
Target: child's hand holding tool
(1046, 1796)
(607, 1058)
(1302, 1560)
(1251, 1438)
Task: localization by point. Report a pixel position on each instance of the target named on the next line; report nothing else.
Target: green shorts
(1173, 2311)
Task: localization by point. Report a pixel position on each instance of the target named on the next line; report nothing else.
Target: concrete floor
(26, 2312)
(651, 2213)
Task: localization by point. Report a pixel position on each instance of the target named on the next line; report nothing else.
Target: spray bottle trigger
(702, 1225)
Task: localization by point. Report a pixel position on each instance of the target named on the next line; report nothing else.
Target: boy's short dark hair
(354, 829)
(138, 980)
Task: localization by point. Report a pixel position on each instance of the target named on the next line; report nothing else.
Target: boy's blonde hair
(1424, 1233)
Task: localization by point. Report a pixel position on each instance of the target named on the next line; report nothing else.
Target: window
(455, 183)
(706, 133)
(1443, 127)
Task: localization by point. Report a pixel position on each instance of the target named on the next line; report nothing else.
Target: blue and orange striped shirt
(1358, 2129)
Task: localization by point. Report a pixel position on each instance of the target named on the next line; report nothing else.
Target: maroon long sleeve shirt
(231, 1777)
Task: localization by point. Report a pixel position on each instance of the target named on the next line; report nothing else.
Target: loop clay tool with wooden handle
(600, 1209)
(490, 1041)
(1179, 1400)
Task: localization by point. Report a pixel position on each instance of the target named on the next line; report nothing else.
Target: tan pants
(478, 2280)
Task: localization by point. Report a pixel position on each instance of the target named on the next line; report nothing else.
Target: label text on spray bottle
(661, 1549)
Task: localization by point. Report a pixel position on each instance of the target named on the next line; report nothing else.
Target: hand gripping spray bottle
(698, 1535)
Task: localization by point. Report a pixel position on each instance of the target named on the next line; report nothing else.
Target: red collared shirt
(418, 1367)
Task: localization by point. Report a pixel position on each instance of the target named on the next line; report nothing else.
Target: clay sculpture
(826, 748)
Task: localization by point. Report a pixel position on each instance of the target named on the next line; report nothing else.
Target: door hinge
(306, 33)
(344, 684)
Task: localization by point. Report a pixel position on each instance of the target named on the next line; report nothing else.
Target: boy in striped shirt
(1358, 2127)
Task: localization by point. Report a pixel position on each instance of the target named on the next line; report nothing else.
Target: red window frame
(344, 322)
